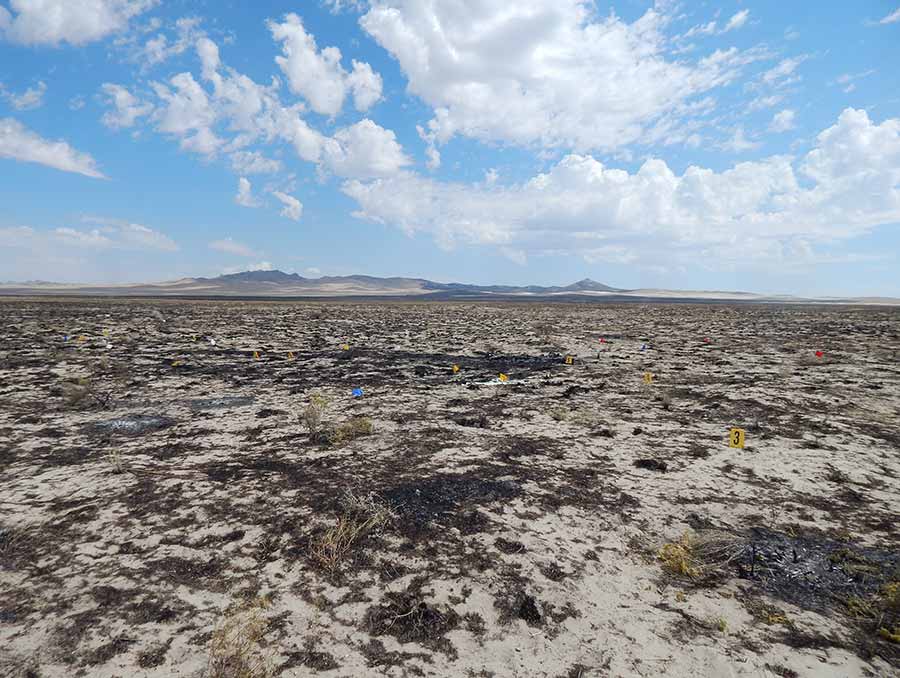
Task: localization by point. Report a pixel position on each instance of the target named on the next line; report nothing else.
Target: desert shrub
(357, 427)
(694, 556)
(879, 613)
(312, 414)
(114, 458)
(82, 393)
(666, 399)
(76, 392)
(362, 514)
(234, 650)
(559, 414)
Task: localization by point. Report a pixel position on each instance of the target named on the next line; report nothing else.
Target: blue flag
(357, 393)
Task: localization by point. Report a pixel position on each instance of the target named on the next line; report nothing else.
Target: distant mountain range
(280, 285)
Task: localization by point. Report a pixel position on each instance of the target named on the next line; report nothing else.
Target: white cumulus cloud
(737, 20)
(767, 210)
(225, 112)
(547, 72)
(255, 266)
(892, 18)
(254, 162)
(17, 142)
(364, 150)
(317, 75)
(51, 22)
(126, 108)
(245, 197)
(293, 208)
(31, 98)
(783, 121)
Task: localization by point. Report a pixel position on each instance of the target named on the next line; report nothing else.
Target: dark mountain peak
(590, 285)
(261, 276)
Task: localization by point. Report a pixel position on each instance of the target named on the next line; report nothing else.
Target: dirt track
(524, 519)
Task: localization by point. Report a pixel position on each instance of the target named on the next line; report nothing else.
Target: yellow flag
(176, 363)
(256, 355)
(503, 377)
(455, 369)
(736, 438)
(345, 347)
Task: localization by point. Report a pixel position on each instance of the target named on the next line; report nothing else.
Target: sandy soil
(164, 510)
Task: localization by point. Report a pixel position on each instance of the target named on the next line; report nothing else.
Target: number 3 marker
(736, 438)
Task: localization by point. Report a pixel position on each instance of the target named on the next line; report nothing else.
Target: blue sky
(735, 145)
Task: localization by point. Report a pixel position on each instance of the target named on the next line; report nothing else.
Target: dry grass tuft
(234, 650)
(77, 391)
(82, 393)
(695, 556)
(363, 514)
(312, 414)
(879, 613)
(353, 429)
(114, 457)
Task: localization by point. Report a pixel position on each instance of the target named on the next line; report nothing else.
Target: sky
(734, 145)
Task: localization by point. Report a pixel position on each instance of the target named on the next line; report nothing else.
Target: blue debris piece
(357, 393)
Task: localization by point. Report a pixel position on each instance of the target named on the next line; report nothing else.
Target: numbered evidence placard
(736, 437)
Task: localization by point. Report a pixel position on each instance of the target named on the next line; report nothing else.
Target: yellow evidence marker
(736, 438)
(503, 377)
(80, 337)
(570, 360)
(256, 355)
(290, 355)
(455, 369)
(648, 378)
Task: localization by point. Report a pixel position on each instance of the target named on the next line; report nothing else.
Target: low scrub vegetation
(235, 649)
(362, 515)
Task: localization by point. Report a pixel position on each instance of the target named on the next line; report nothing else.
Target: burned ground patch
(445, 499)
(411, 619)
(813, 572)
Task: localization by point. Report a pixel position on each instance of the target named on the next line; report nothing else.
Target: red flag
(819, 354)
(602, 340)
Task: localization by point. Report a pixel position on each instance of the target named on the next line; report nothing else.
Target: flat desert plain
(193, 489)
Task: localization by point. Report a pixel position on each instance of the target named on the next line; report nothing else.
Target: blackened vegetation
(651, 465)
(310, 657)
(442, 499)
(516, 603)
(815, 573)
(410, 618)
(829, 577)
